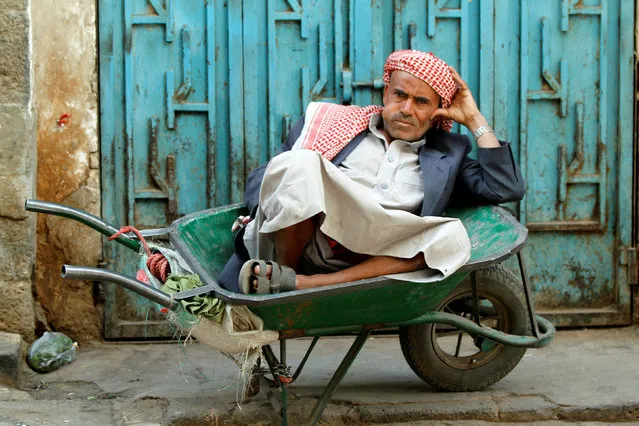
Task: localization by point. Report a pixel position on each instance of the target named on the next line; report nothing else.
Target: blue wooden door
(195, 94)
(166, 149)
(574, 131)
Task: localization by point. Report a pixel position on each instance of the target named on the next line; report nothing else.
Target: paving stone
(524, 408)
(457, 410)
(607, 412)
(10, 359)
(140, 412)
(64, 413)
(10, 394)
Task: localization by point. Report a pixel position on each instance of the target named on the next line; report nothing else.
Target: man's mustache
(401, 117)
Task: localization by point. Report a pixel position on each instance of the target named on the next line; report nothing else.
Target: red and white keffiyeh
(329, 127)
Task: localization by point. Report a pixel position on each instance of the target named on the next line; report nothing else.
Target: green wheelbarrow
(462, 333)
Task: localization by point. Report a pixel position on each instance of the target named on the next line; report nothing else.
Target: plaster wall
(66, 99)
(17, 169)
(635, 307)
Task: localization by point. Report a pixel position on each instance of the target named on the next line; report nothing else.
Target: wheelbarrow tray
(205, 242)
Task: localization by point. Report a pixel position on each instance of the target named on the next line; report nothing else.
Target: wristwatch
(482, 130)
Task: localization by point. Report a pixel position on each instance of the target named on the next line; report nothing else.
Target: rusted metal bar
(338, 376)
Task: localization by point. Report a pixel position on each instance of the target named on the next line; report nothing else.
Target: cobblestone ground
(584, 377)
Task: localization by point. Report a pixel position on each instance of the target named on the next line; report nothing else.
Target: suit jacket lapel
(435, 170)
(337, 160)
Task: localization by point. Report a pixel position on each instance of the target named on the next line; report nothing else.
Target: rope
(282, 372)
(156, 262)
(127, 229)
(159, 266)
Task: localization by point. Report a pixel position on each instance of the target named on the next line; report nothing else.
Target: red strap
(126, 229)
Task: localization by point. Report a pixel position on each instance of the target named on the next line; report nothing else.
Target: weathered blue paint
(164, 101)
(572, 101)
(194, 95)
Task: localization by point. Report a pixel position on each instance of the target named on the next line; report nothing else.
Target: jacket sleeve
(493, 178)
(254, 180)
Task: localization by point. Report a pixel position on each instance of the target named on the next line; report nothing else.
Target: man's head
(417, 84)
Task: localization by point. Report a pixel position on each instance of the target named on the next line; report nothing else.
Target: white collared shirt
(390, 171)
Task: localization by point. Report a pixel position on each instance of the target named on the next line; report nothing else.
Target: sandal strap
(275, 276)
(283, 278)
(263, 283)
(288, 279)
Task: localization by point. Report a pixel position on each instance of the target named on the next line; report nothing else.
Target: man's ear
(386, 85)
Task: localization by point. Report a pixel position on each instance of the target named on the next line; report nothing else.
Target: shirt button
(384, 186)
(390, 158)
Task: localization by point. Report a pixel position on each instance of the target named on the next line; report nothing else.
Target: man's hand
(464, 110)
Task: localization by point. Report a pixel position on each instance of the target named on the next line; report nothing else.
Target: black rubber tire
(477, 371)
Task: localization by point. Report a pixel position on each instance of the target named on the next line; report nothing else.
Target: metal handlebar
(98, 274)
(83, 217)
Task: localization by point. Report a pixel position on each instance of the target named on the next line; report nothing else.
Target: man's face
(408, 104)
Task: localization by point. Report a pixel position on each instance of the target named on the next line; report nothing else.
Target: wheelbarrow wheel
(450, 359)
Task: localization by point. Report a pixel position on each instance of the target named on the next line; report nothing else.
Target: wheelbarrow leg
(529, 302)
(303, 363)
(273, 366)
(473, 287)
(337, 377)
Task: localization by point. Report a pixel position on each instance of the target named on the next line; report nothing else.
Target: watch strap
(482, 130)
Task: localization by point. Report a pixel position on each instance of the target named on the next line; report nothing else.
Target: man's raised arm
(495, 176)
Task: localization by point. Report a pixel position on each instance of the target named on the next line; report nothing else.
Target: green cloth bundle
(201, 306)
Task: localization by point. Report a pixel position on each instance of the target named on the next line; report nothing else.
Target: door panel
(571, 103)
(164, 101)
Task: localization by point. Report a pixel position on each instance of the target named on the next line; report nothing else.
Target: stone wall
(17, 170)
(48, 70)
(66, 96)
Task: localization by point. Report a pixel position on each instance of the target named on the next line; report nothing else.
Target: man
(355, 191)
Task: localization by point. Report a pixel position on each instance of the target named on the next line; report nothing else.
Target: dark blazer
(451, 178)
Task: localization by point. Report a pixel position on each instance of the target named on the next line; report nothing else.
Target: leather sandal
(282, 278)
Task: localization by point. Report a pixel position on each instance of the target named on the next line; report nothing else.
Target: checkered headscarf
(329, 127)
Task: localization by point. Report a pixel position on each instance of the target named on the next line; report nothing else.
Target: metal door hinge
(348, 85)
(628, 257)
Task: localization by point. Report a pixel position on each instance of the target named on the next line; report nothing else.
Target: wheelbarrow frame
(541, 329)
